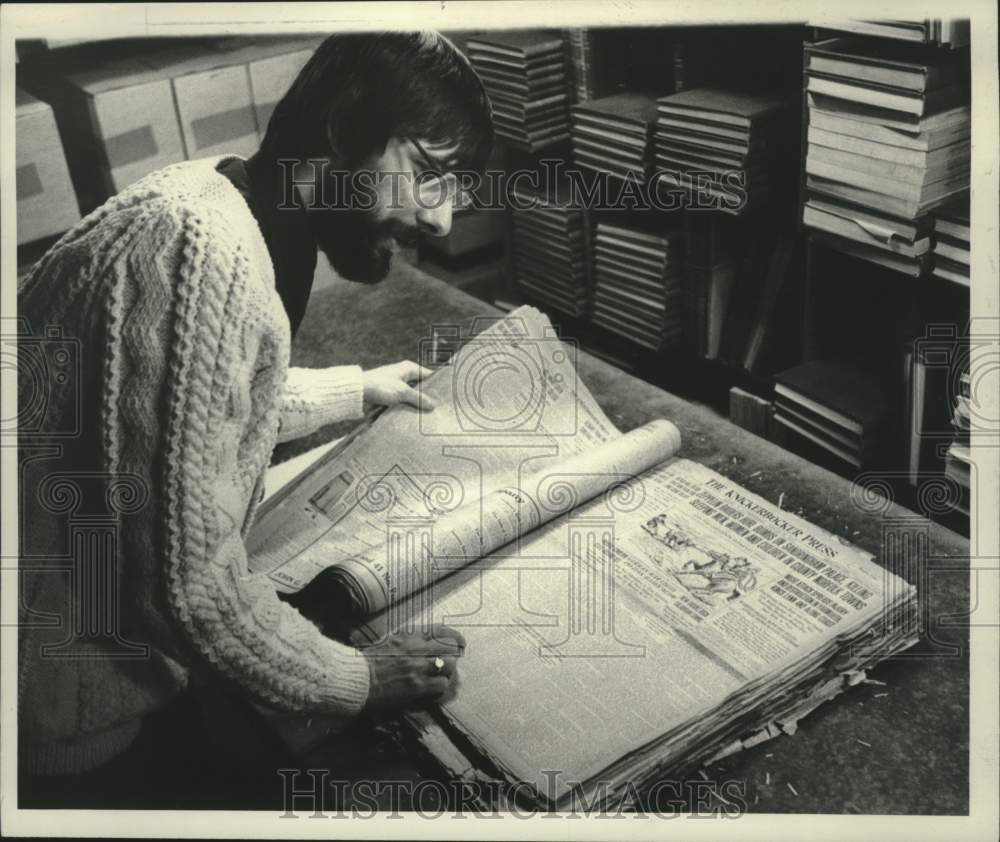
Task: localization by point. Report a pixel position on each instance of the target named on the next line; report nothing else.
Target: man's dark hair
(360, 90)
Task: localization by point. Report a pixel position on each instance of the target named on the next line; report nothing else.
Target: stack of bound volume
(900, 244)
(945, 32)
(612, 134)
(727, 145)
(951, 241)
(958, 460)
(637, 284)
(838, 407)
(525, 76)
(723, 634)
(548, 252)
(888, 141)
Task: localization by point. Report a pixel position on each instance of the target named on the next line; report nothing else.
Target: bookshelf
(835, 305)
(800, 293)
(875, 300)
(659, 61)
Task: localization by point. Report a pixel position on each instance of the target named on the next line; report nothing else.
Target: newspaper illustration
(709, 575)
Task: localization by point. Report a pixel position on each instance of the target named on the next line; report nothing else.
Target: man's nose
(436, 221)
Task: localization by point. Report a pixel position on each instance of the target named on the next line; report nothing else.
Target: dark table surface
(897, 747)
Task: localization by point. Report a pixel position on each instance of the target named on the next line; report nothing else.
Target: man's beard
(357, 244)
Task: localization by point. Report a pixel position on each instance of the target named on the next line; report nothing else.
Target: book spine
(581, 56)
(869, 131)
(881, 30)
(950, 252)
(875, 150)
(845, 225)
(903, 193)
(855, 93)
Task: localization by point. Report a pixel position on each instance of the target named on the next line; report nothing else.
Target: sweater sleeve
(314, 397)
(219, 427)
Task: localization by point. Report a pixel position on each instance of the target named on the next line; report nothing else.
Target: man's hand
(388, 385)
(413, 668)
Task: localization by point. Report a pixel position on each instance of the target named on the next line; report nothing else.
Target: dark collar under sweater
(286, 231)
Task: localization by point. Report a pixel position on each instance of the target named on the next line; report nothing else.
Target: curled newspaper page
(516, 440)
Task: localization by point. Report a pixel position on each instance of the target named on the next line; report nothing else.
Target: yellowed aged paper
(621, 624)
(480, 487)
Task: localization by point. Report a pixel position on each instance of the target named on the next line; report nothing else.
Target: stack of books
(951, 241)
(838, 407)
(958, 460)
(548, 252)
(525, 76)
(727, 146)
(944, 32)
(888, 141)
(637, 284)
(612, 134)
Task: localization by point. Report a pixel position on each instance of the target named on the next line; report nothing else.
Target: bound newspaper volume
(629, 614)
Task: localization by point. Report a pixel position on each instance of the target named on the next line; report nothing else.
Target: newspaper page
(419, 548)
(481, 469)
(636, 615)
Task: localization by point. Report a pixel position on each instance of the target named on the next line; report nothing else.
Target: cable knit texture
(167, 294)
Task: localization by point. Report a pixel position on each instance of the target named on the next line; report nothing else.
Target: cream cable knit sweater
(166, 297)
